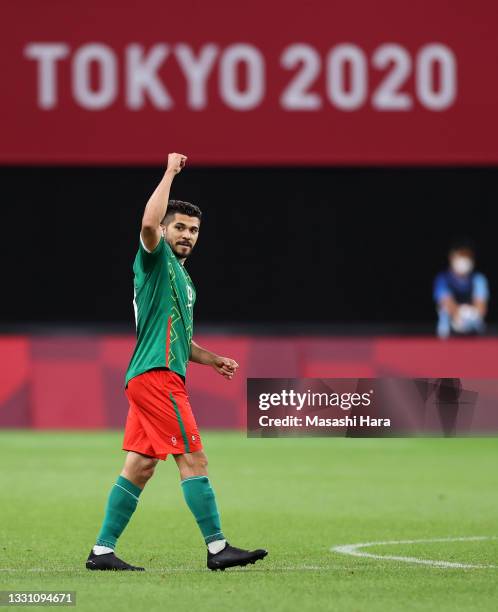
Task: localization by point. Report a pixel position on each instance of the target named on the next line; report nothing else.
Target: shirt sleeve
(480, 289)
(441, 288)
(150, 258)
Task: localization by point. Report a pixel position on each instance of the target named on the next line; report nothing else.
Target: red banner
(76, 382)
(310, 82)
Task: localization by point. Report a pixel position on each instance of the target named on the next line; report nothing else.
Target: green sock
(121, 504)
(201, 500)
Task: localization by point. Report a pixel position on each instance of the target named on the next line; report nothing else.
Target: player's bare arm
(223, 365)
(158, 202)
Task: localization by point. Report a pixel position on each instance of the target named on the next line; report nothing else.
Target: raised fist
(176, 161)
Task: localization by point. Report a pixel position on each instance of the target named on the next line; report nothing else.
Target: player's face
(181, 234)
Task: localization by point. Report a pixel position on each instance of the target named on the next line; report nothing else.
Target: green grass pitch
(298, 498)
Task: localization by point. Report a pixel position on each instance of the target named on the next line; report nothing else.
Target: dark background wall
(323, 245)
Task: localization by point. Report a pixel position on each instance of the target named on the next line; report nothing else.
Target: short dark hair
(463, 244)
(184, 208)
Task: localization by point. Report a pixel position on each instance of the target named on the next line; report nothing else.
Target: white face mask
(462, 265)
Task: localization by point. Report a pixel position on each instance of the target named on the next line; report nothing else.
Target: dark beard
(178, 254)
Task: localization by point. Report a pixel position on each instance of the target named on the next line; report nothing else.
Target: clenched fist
(225, 366)
(176, 161)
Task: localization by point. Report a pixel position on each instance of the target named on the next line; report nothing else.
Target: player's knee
(192, 464)
(197, 463)
(201, 460)
(147, 470)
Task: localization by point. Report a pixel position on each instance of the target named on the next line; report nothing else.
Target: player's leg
(124, 495)
(184, 443)
(201, 500)
(200, 497)
(121, 504)
(140, 462)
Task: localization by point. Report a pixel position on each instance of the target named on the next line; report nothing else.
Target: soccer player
(160, 420)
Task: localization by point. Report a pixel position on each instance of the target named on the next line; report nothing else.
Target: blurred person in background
(461, 295)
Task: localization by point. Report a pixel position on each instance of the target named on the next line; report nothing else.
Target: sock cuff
(124, 483)
(101, 542)
(214, 537)
(195, 478)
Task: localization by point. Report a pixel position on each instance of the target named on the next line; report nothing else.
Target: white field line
(355, 551)
(347, 549)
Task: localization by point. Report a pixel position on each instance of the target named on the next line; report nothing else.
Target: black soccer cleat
(233, 557)
(109, 561)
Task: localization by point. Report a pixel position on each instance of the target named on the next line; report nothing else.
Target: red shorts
(160, 420)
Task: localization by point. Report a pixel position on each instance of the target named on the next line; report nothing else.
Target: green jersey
(164, 299)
